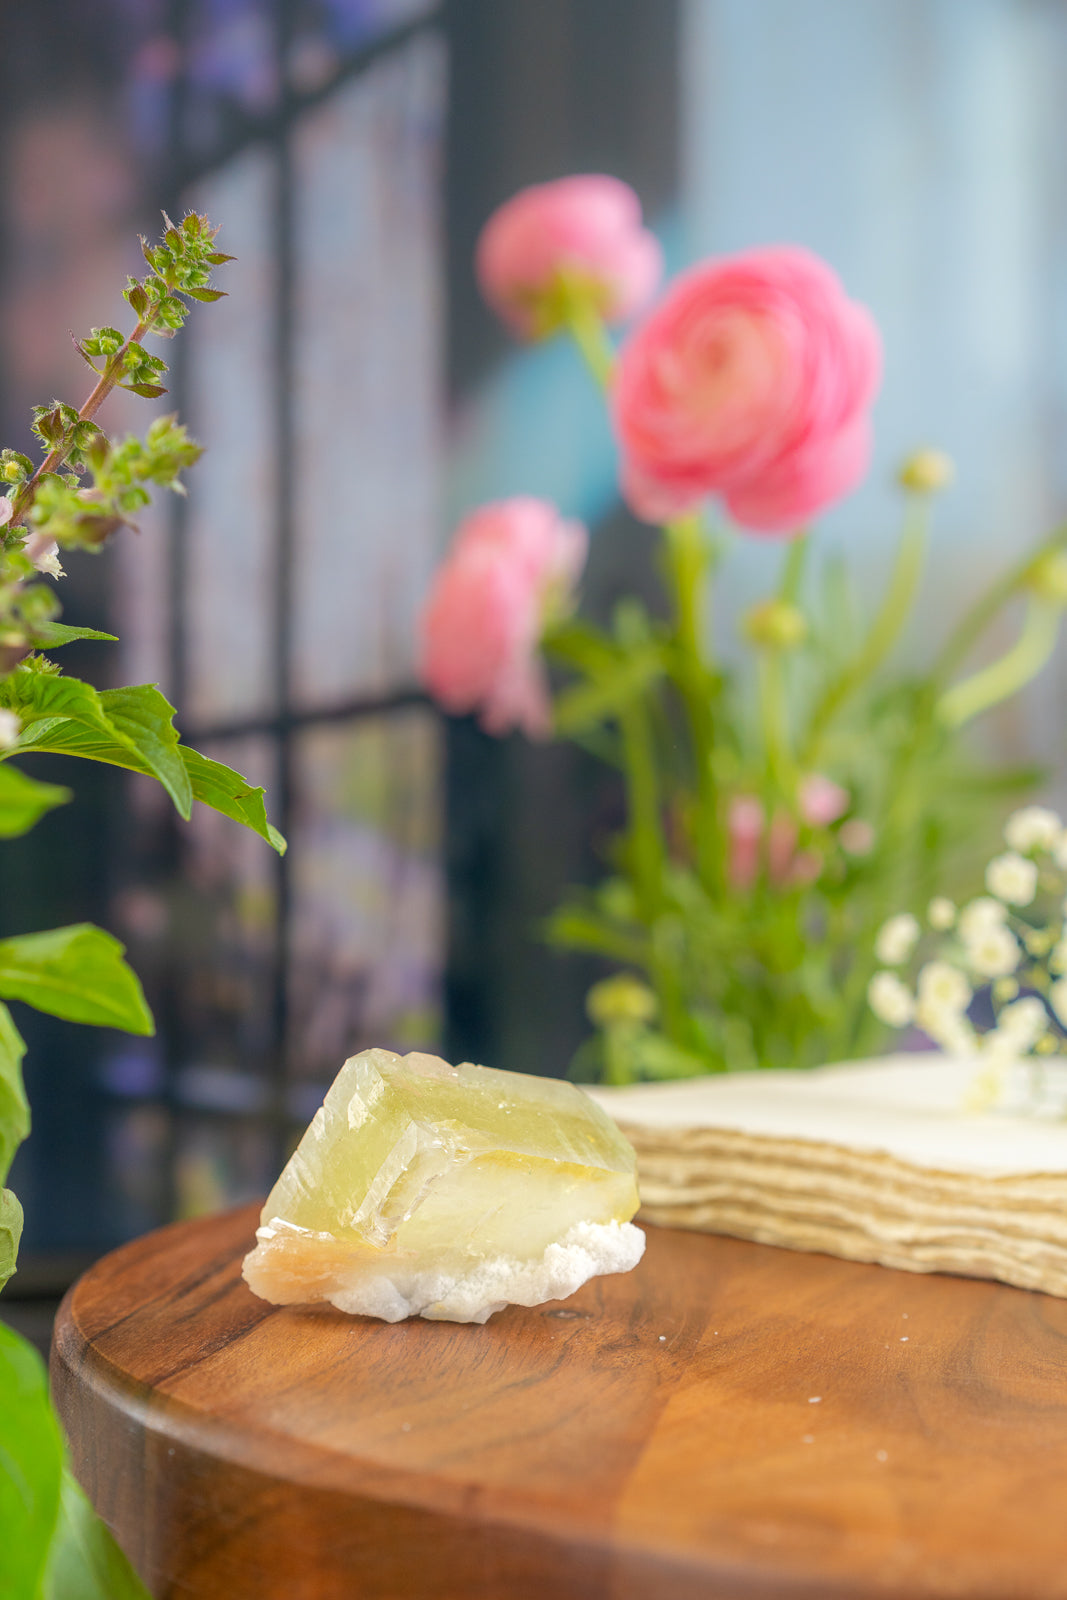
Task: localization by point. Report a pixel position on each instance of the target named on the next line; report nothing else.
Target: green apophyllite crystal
(446, 1192)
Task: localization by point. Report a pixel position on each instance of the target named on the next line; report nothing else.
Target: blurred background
(356, 398)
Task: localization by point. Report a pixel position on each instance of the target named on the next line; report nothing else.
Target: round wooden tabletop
(728, 1420)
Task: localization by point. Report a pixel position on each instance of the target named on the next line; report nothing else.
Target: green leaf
(225, 790)
(149, 391)
(587, 704)
(207, 295)
(10, 1233)
(31, 1466)
(130, 728)
(84, 1562)
(77, 973)
(23, 800)
(143, 718)
(50, 635)
(14, 1107)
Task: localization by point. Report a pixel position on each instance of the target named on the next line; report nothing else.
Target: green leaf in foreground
(208, 781)
(77, 973)
(24, 800)
(84, 1562)
(14, 1107)
(225, 790)
(50, 635)
(130, 728)
(31, 1464)
(10, 1233)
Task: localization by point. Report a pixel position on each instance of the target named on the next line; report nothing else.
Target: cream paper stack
(873, 1161)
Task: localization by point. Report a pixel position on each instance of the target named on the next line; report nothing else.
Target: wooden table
(728, 1420)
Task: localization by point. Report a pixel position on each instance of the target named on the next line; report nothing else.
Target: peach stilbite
(580, 235)
(752, 379)
(422, 1189)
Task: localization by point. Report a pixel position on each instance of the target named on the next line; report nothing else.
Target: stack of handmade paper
(874, 1161)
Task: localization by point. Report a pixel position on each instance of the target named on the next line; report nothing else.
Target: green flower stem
(647, 852)
(586, 328)
(771, 683)
(1007, 676)
(885, 630)
(110, 376)
(648, 858)
(796, 557)
(687, 562)
(981, 614)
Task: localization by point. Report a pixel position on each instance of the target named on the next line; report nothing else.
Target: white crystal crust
(470, 1290)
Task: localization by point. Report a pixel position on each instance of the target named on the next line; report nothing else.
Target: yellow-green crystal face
(419, 1174)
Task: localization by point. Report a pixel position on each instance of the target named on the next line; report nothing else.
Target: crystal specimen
(446, 1192)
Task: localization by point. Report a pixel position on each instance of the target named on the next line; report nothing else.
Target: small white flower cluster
(988, 943)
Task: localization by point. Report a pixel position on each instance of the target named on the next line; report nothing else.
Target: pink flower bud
(822, 801)
(513, 566)
(781, 845)
(752, 379)
(744, 825)
(582, 232)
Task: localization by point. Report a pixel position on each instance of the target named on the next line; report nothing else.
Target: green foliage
(130, 728)
(14, 1108)
(31, 1468)
(77, 973)
(87, 487)
(84, 1562)
(54, 1548)
(10, 1233)
(24, 800)
(225, 790)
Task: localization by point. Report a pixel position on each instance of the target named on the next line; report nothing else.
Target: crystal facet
(446, 1192)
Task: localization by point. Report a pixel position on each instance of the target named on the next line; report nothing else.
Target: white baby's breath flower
(890, 1000)
(1033, 828)
(1057, 999)
(940, 913)
(944, 995)
(1019, 1026)
(978, 915)
(1057, 960)
(10, 728)
(897, 939)
(1012, 878)
(993, 952)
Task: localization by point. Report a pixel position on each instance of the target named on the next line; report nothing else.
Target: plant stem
(890, 619)
(793, 567)
(981, 614)
(1005, 677)
(647, 854)
(587, 330)
(688, 559)
(55, 458)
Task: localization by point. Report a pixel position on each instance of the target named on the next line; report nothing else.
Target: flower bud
(622, 998)
(926, 471)
(1048, 578)
(775, 625)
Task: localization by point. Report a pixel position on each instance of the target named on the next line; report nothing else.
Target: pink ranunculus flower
(752, 379)
(512, 567)
(584, 230)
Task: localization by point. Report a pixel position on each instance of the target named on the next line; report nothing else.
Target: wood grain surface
(729, 1420)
